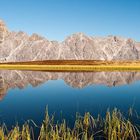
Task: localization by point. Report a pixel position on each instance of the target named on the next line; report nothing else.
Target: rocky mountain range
(21, 79)
(19, 46)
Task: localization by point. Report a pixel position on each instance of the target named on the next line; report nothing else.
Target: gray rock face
(18, 46)
(79, 46)
(21, 79)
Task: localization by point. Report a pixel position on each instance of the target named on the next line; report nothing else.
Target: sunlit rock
(18, 46)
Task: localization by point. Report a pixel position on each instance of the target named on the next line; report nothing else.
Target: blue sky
(56, 19)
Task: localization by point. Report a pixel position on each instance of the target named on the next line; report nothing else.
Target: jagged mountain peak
(3, 31)
(77, 36)
(35, 37)
(19, 46)
(2, 23)
(3, 27)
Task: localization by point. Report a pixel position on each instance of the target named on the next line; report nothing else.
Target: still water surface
(25, 94)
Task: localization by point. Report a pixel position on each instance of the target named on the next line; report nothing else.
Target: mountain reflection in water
(21, 79)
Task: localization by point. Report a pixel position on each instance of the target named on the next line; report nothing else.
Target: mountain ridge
(19, 46)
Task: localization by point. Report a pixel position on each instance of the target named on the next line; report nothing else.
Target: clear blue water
(20, 105)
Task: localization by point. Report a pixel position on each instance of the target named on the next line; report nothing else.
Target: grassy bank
(73, 65)
(113, 127)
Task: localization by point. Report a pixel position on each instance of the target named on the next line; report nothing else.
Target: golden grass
(113, 127)
(73, 65)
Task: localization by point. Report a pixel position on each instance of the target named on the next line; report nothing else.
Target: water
(25, 94)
